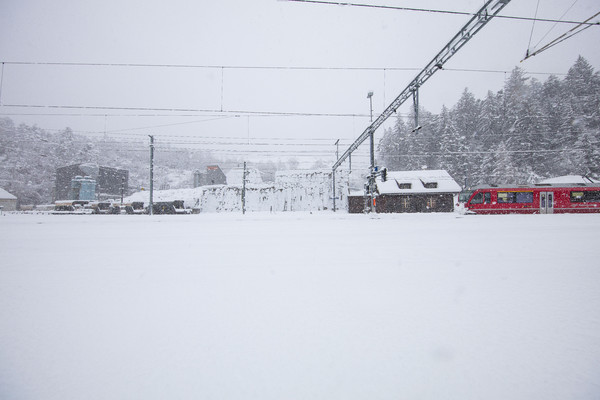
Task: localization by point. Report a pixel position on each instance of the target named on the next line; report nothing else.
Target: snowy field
(300, 306)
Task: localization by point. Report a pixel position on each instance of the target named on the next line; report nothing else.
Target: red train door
(546, 202)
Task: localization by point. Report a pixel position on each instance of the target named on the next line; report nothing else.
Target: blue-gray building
(110, 182)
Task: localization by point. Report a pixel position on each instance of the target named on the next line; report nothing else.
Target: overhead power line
(196, 110)
(259, 67)
(436, 11)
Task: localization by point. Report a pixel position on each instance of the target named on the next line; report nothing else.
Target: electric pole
(333, 179)
(151, 174)
(337, 155)
(244, 190)
(122, 188)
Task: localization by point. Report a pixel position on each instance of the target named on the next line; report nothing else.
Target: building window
(430, 185)
(404, 185)
(405, 202)
(431, 202)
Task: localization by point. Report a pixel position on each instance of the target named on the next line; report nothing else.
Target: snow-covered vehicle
(72, 207)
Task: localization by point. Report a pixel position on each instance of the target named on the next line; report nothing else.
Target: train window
(477, 199)
(592, 195)
(576, 197)
(585, 197)
(506, 197)
(524, 197)
(515, 197)
(487, 197)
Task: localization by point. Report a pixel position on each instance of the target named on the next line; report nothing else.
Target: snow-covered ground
(300, 306)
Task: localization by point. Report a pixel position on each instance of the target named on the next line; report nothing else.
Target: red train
(535, 199)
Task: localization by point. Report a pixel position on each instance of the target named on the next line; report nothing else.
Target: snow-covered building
(411, 191)
(235, 176)
(110, 182)
(291, 191)
(212, 176)
(8, 202)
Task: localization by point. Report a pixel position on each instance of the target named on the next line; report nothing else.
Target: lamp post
(372, 153)
(371, 136)
(370, 97)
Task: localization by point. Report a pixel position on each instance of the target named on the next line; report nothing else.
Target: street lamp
(370, 97)
(371, 136)
(372, 149)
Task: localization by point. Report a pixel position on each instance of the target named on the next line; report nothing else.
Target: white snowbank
(300, 306)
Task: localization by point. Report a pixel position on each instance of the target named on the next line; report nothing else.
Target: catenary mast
(490, 9)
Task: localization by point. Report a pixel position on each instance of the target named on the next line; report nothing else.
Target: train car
(101, 207)
(135, 207)
(535, 199)
(72, 207)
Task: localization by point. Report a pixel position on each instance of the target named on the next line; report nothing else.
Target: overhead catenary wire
(533, 26)
(570, 33)
(431, 10)
(555, 24)
(193, 110)
(260, 67)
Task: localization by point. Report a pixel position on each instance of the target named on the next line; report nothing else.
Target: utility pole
(122, 188)
(333, 179)
(244, 190)
(337, 155)
(151, 174)
(371, 136)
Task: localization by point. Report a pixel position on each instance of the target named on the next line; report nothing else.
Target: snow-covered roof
(4, 195)
(569, 179)
(424, 181)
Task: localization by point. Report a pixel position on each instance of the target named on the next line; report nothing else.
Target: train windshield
(463, 196)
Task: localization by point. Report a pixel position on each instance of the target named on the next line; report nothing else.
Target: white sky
(258, 33)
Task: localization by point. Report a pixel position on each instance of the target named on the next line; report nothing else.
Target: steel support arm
(490, 9)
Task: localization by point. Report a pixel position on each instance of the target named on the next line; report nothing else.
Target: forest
(30, 155)
(525, 132)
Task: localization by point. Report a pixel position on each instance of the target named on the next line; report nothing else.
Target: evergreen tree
(526, 131)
